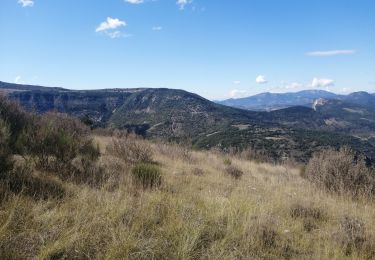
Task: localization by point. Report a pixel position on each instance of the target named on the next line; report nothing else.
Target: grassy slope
(191, 216)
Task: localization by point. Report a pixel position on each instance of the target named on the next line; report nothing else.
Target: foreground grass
(198, 212)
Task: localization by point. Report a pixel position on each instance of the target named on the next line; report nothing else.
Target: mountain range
(179, 116)
(273, 101)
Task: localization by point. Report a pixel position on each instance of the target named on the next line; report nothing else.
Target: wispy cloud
(157, 28)
(117, 34)
(134, 1)
(261, 79)
(330, 53)
(183, 3)
(236, 82)
(110, 24)
(321, 82)
(346, 90)
(26, 3)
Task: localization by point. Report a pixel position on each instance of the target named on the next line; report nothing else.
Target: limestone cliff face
(98, 105)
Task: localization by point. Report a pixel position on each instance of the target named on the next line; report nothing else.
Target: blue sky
(216, 48)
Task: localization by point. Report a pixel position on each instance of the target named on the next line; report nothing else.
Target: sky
(216, 48)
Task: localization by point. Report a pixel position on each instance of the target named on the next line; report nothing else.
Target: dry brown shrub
(300, 211)
(130, 149)
(198, 172)
(84, 170)
(342, 172)
(351, 235)
(311, 216)
(5, 152)
(267, 242)
(234, 171)
(16, 118)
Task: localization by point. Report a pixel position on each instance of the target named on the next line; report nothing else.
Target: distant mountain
(328, 115)
(273, 101)
(361, 98)
(177, 115)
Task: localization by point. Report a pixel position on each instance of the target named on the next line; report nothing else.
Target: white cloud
(110, 24)
(157, 28)
(330, 53)
(134, 1)
(261, 79)
(26, 3)
(236, 82)
(183, 3)
(235, 93)
(318, 83)
(17, 80)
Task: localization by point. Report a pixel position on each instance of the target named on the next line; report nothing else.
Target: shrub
(130, 149)
(57, 139)
(198, 171)
(309, 215)
(341, 171)
(5, 153)
(234, 171)
(22, 180)
(147, 175)
(300, 211)
(16, 118)
(227, 161)
(86, 170)
(351, 235)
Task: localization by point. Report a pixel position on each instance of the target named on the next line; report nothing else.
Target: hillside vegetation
(110, 195)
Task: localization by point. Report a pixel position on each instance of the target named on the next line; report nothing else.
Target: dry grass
(198, 212)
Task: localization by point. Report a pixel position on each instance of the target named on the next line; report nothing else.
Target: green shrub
(57, 139)
(342, 172)
(227, 161)
(147, 175)
(23, 180)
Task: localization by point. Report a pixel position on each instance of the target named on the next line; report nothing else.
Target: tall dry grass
(199, 211)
